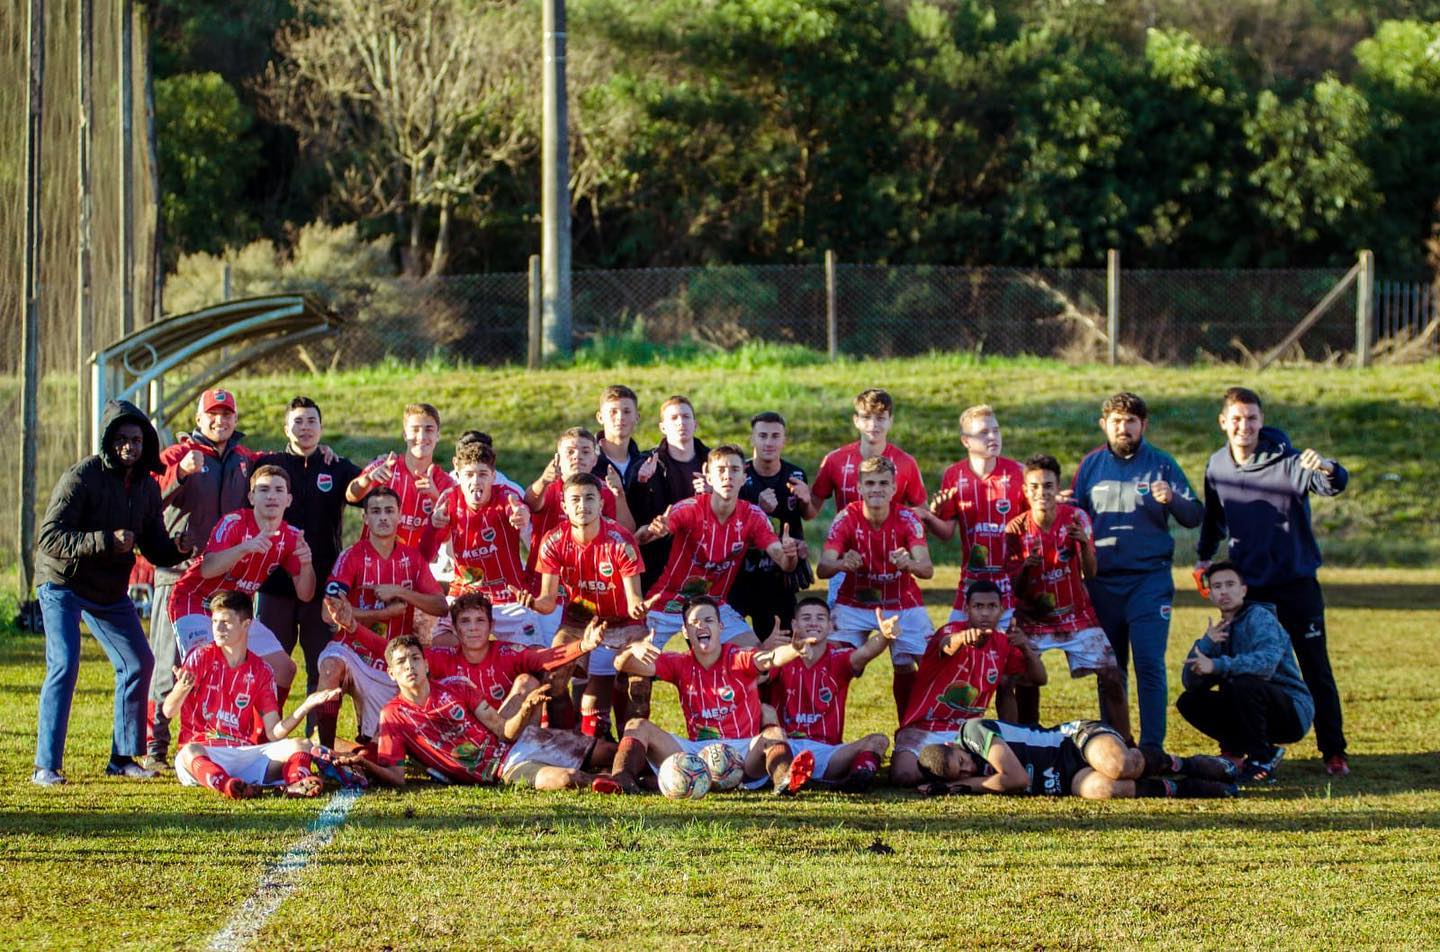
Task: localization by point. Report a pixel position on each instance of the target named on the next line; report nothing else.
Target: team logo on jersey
(497, 692)
(1064, 554)
(1002, 506)
(242, 701)
(488, 534)
(1165, 612)
(992, 676)
(427, 506)
(605, 569)
(1142, 489)
(825, 696)
(324, 482)
(457, 712)
(726, 694)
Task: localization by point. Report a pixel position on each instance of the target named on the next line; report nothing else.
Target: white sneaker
(43, 777)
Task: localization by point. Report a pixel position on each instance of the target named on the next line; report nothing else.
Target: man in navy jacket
(1257, 491)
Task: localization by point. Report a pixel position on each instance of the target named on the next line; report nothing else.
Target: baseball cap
(216, 397)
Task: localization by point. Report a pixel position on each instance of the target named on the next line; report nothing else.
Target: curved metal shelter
(163, 367)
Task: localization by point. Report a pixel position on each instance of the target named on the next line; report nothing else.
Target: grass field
(1308, 863)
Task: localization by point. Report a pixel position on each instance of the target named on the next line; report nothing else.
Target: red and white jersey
(593, 572)
(415, 506)
(949, 689)
(982, 506)
(360, 568)
(486, 547)
(494, 674)
(812, 698)
(1057, 600)
(840, 474)
(719, 701)
(193, 589)
(707, 553)
(879, 584)
(551, 514)
(443, 734)
(227, 706)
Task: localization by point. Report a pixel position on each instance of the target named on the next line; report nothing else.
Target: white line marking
(283, 876)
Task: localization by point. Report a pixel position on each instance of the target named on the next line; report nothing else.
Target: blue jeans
(117, 628)
(1134, 610)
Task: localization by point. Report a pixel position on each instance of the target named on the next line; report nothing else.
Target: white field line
(282, 877)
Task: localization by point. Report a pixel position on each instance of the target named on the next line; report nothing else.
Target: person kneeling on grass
(232, 738)
(720, 701)
(1242, 686)
(1081, 758)
(451, 729)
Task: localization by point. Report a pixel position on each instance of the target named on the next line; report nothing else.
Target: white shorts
(248, 763)
(1006, 617)
(823, 752)
(668, 624)
(601, 661)
(853, 625)
(371, 687)
(539, 747)
(512, 622)
(913, 739)
(741, 746)
(1087, 650)
(193, 631)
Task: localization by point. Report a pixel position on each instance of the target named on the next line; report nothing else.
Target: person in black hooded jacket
(101, 510)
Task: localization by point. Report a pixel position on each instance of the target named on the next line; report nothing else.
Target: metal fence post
(532, 351)
(1364, 308)
(1112, 304)
(30, 315)
(832, 322)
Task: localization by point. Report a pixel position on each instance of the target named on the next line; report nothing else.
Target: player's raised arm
(884, 635)
(784, 654)
(937, 525)
(785, 552)
(639, 658)
(278, 728)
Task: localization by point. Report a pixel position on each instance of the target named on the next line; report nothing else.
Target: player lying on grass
(452, 730)
(881, 550)
(811, 694)
(1081, 758)
(595, 563)
(355, 659)
(961, 670)
(718, 696)
(415, 477)
(1051, 552)
(232, 737)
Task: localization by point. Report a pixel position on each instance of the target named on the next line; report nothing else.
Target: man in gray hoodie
(1242, 686)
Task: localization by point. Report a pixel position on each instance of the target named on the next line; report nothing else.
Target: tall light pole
(555, 188)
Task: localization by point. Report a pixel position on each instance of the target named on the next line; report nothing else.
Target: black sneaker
(1262, 772)
(1203, 767)
(1193, 788)
(859, 781)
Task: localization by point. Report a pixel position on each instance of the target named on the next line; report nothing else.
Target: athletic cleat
(129, 769)
(237, 789)
(157, 763)
(859, 781)
(1193, 788)
(311, 786)
(614, 783)
(1258, 773)
(1336, 765)
(43, 777)
(1203, 767)
(801, 768)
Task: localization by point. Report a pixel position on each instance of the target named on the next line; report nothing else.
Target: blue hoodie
(1264, 507)
(1258, 646)
(1132, 530)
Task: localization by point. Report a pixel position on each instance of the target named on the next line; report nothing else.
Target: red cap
(216, 398)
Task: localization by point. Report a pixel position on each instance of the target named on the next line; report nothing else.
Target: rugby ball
(684, 776)
(727, 768)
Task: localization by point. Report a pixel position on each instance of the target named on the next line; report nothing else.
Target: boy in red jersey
(597, 562)
(575, 452)
(1052, 547)
(712, 533)
(978, 496)
(416, 479)
(483, 522)
(811, 695)
(881, 550)
(232, 738)
(244, 548)
(382, 577)
(959, 674)
(459, 737)
(718, 695)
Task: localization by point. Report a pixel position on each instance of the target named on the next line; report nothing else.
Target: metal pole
(832, 320)
(555, 186)
(1112, 304)
(127, 174)
(30, 318)
(1364, 308)
(84, 305)
(536, 323)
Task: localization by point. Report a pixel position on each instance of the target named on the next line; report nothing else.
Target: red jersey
(719, 701)
(840, 474)
(552, 513)
(1057, 600)
(812, 699)
(360, 568)
(495, 674)
(486, 547)
(879, 584)
(443, 734)
(592, 573)
(983, 505)
(415, 506)
(952, 688)
(193, 589)
(227, 706)
(707, 553)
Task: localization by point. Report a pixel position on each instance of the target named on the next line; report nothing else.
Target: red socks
(866, 762)
(902, 685)
(326, 716)
(298, 767)
(208, 772)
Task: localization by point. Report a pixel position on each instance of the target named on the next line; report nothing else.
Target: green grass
(1308, 863)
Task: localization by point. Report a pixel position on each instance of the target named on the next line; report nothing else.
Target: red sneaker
(613, 783)
(801, 768)
(1337, 766)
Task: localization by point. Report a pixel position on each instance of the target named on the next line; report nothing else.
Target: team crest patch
(1142, 489)
(324, 482)
(606, 569)
(1002, 506)
(1165, 612)
(242, 701)
(736, 547)
(727, 694)
(825, 696)
(427, 506)
(488, 534)
(1063, 555)
(497, 692)
(457, 713)
(992, 676)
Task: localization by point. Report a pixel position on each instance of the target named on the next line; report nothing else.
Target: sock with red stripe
(208, 772)
(902, 685)
(297, 767)
(595, 704)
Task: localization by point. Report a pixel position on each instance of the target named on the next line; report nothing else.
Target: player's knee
(773, 734)
(904, 663)
(1110, 679)
(768, 716)
(185, 754)
(1093, 785)
(331, 673)
(1107, 755)
(876, 744)
(637, 726)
